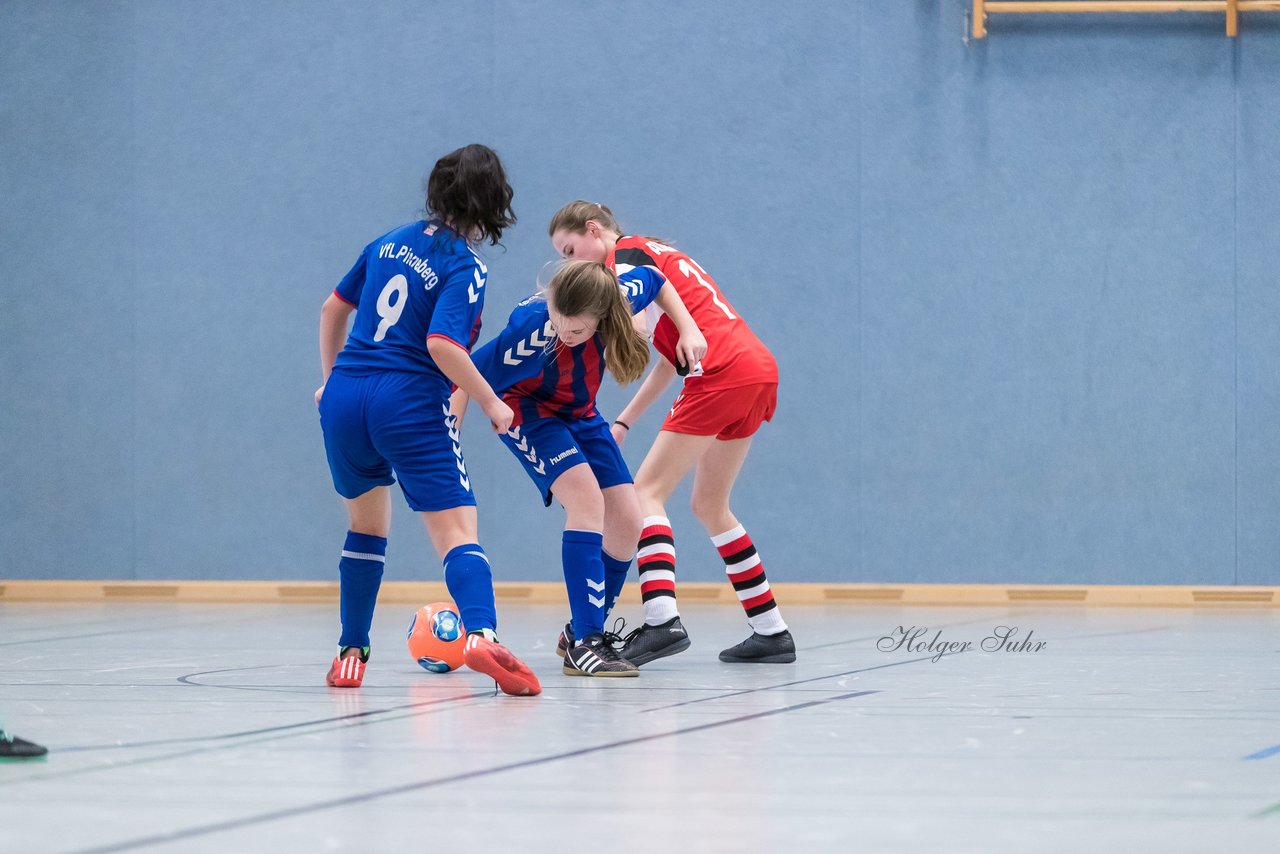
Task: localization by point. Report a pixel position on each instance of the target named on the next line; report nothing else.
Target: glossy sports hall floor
(208, 728)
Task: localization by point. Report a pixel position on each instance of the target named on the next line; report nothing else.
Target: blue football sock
(584, 580)
(360, 570)
(615, 578)
(470, 583)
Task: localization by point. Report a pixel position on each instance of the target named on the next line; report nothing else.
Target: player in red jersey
(726, 397)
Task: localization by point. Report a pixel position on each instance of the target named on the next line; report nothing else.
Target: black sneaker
(648, 643)
(12, 747)
(594, 657)
(762, 649)
(565, 641)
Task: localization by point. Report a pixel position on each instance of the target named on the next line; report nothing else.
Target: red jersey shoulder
(688, 276)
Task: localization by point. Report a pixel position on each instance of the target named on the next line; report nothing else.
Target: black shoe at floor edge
(649, 643)
(12, 747)
(762, 649)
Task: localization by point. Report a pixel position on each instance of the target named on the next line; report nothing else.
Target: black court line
(364, 797)
(796, 682)
(147, 760)
(278, 728)
(270, 689)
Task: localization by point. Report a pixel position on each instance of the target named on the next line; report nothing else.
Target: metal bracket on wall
(1230, 8)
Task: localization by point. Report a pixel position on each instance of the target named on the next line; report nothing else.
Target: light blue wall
(1022, 291)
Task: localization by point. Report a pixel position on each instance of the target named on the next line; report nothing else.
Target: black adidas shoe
(594, 657)
(649, 643)
(762, 649)
(565, 641)
(12, 747)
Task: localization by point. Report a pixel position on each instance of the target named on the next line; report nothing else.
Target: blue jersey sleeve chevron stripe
(417, 280)
(539, 381)
(640, 285)
(520, 350)
(458, 307)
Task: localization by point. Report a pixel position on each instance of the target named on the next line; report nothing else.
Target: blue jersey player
(548, 363)
(417, 293)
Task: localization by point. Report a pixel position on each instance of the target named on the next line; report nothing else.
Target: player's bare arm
(455, 363)
(334, 315)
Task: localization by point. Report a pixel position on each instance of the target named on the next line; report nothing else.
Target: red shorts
(730, 413)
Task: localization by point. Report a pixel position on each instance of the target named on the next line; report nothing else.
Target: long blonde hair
(590, 289)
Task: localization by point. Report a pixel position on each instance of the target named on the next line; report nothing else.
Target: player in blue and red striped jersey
(549, 362)
(709, 428)
(417, 292)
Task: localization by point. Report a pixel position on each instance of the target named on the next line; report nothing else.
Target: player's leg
(713, 482)
(360, 475)
(672, 456)
(453, 533)
(623, 521)
(577, 491)
(360, 577)
(586, 652)
(417, 433)
(534, 444)
(551, 455)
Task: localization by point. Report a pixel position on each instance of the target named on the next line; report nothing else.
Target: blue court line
(1264, 752)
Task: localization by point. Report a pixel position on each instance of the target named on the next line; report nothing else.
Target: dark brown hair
(468, 189)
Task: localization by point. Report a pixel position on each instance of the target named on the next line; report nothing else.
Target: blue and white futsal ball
(436, 637)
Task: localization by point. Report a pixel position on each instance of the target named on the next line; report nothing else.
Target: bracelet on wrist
(624, 425)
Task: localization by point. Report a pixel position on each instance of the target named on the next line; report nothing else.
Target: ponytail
(590, 289)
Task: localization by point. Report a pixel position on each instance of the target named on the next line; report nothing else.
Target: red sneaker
(345, 672)
(499, 664)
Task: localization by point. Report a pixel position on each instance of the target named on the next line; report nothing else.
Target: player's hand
(500, 415)
(319, 394)
(619, 433)
(690, 349)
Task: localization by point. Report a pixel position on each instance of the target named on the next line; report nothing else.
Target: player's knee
(649, 499)
(709, 509)
(626, 527)
(583, 504)
(704, 507)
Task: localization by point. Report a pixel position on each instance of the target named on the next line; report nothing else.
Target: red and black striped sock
(656, 560)
(746, 574)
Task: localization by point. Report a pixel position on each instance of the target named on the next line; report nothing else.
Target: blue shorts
(549, 447)
(394, 421)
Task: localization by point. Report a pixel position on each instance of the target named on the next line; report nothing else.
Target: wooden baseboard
(552, 593)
